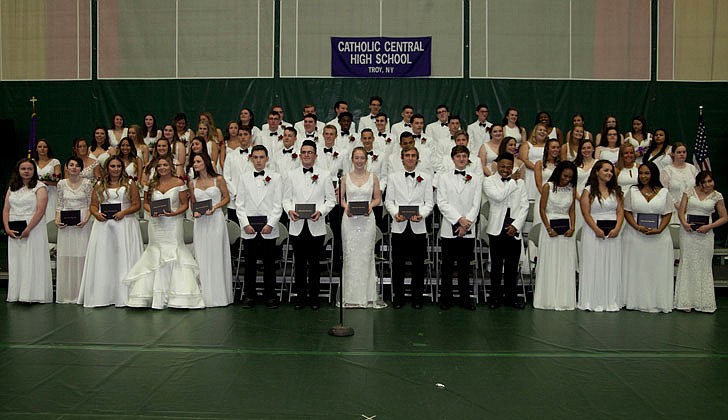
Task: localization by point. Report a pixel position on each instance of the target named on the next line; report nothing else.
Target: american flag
(700, 157)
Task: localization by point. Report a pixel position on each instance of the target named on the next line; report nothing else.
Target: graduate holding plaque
(694, 288)
(258, 205)
(309, 197)
(72, 216)
(209, 194)
(360, 194)
(115, 244)
(647, 255)
(556, 271)
(600, 268)
(409, 201)
(458, 198)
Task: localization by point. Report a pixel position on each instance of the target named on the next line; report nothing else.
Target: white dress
(29, 263)
(212, 251)
(72, 240)
(611, 155)
(694, 288)
(50, 213)
(556, 270)
(166, 274)
(514, 132)
(663, 160)
(647, 260)
(490, 154)
(113, 248)
(535, 153)
(102, 158)
(677, 181)
(628, 177)
(600, 265)
(358, 234)
(113, 141)
(88, 172)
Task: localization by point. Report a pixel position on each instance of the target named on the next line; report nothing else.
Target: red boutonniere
(184, 178)
(294, 156)
(423, 141)
(314, 178)
(280, 137)
(133, 178)
(374, 157)
(267, 180)
(389, 140)
(468, 178)
(315, 139)
(335, 155)
(420, 179)
(351, 138)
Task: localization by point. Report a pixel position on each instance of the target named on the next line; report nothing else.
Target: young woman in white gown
(115, 243)
(647, 257)
(358, 234)
(556, 273)
(584, 164)
(91, 168)
(74, 193)
(29, 263)
(678, 176)
(531, 152)
(212, 245)
(626, 166)
(100, 149)
(659, 151)
(166, 274)
(49, 173)
(600, 266)
(608, 148)
(118, 131)
(694, 288)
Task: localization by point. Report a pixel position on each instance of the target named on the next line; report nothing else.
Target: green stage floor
(65, 362)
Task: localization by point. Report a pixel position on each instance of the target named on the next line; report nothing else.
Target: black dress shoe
(248, 302)
(299, 305)
(272, 303)
(518, 304)
(315, 304)
(417, 305)
(494, 304)
(397, 304)
(468, 304)
(445, 305)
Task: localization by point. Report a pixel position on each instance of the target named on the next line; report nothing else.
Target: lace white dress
(72, 240)
(88, 172)
(29, 263)
(212, 250)
(50, 213)
(556, 270)
(358, 235)
(166, 274)
(113, 248)
(647, 260)
(677, 181)
(600, 266)
(694, 288)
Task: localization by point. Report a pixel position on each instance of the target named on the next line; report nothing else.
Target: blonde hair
(103, 184)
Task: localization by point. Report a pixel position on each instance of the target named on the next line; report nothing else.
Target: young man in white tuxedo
(286, 155)
(332, 157)
(308, 185)
(318, 126)
(348, 138)
(367, 121)
(237, 162)
(409, 187)
(424, 164)
(508, 210)
(405, 125)
(458, 198)
(272, 135)
(438, 128)
(339, 108)
(479, 130)
(259, 194)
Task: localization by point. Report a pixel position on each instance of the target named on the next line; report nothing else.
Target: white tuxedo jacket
(502, 196)
(458, 197)
(236, 164)
(407, 191)
(258, 197)
(302, 189)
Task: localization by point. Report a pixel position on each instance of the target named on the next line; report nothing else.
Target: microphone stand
(341, 330)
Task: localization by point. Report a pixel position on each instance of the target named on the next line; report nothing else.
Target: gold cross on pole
(33, 100)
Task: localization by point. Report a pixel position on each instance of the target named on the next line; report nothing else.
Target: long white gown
(647, 260)
(29, 263)
(556, 270)
(166, 274)
(600, 266)
(358, 234)
(113, 248)
(50, 213)
(72, 240)
(677, 181)
(694, 288)
(535, 153)
(627, 177)
(212, 251)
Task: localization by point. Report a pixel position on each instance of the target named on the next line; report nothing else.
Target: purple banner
(381, 57)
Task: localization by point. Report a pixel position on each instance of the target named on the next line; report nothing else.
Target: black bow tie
(406, 174)
(273, 133)
(288, 151)
(328, 150)
(459, 172)
(407, 125)
(308, 170)
(443, 124)
(417, 136)
(243, 151)
(382, 134)
(452, 138)
(311, 135)
(374, 117)
(261, 173)
(344, 132)
(506, 179)
(370, 153)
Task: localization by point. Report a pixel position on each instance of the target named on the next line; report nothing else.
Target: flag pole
(31, 135)
(700, 110)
